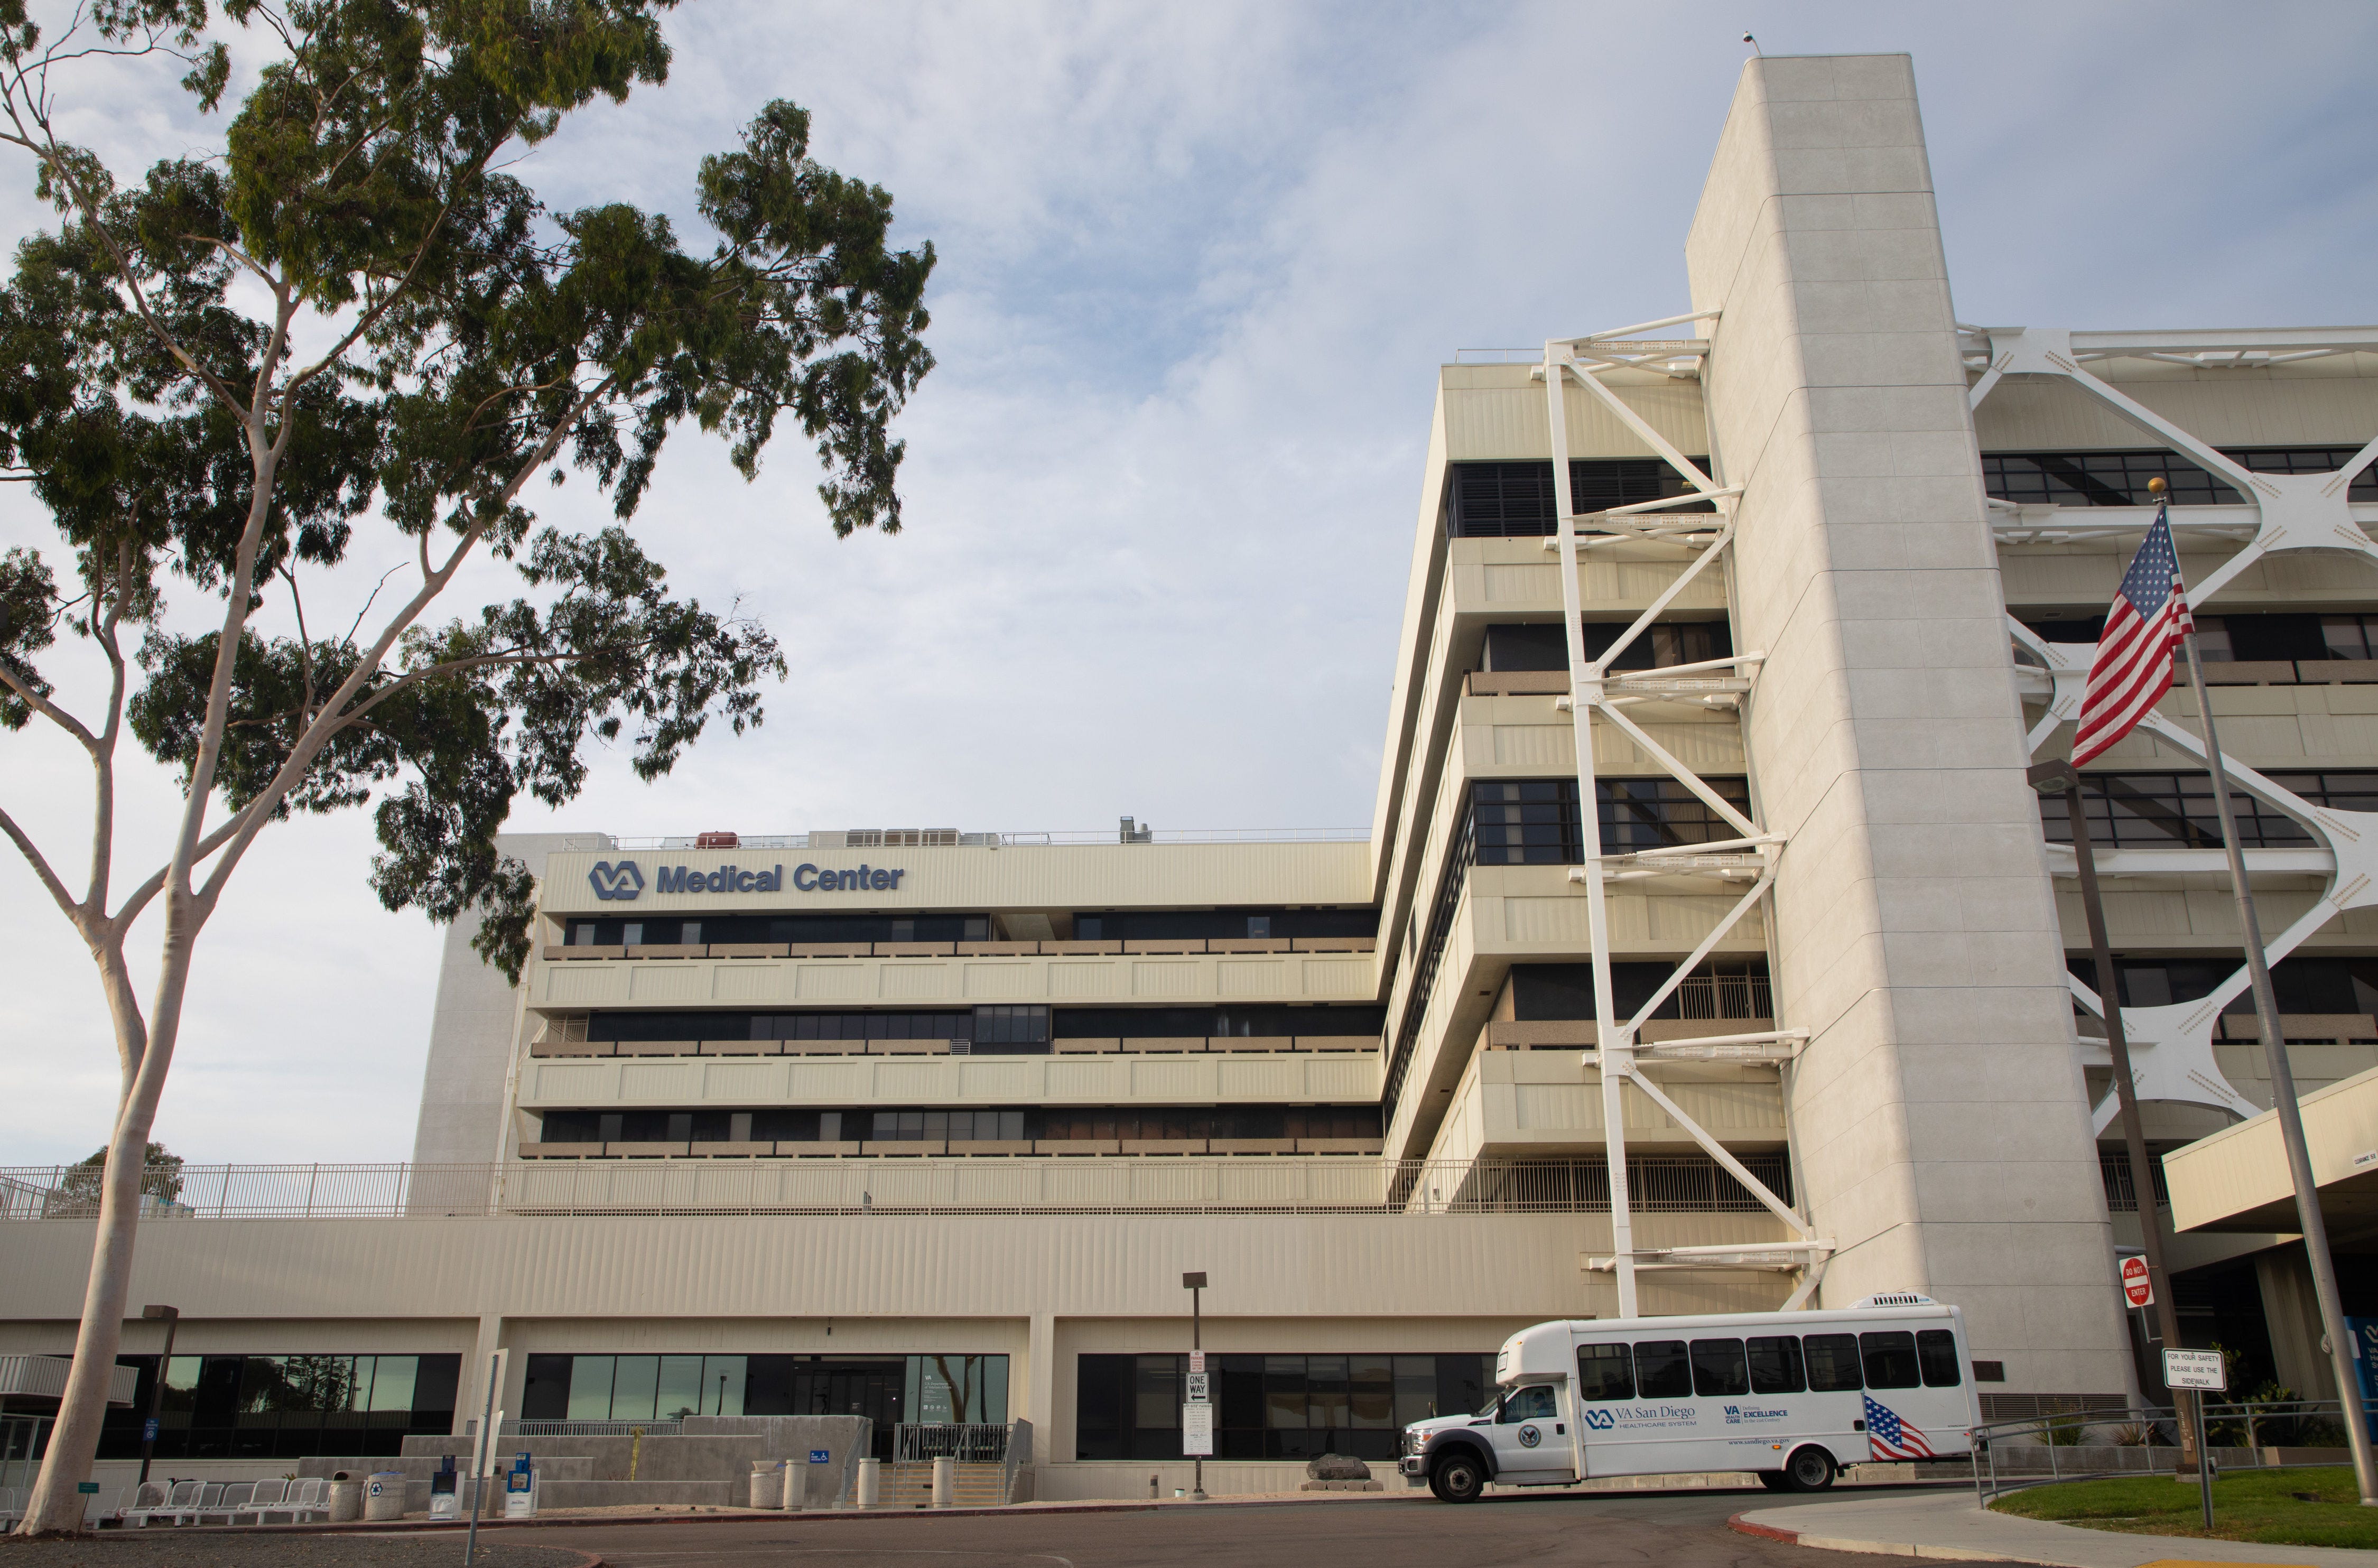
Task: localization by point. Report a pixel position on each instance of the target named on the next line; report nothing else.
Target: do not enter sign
(2137, 1289)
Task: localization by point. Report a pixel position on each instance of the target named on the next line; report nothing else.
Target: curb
(1741, 1523)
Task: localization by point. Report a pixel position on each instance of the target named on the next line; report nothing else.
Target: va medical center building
(1737, 970)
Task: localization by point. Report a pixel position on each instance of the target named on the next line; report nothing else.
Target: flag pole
(2061, 778)
(2343, 1353)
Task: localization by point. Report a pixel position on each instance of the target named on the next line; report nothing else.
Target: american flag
(1888, 1437)
(2133, 670)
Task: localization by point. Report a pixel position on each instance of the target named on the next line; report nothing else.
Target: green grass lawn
(2307, 1507)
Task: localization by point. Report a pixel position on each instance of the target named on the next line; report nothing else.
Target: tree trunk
(54, 1504)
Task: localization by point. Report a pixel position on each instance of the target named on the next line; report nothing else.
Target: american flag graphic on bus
(1888, 1437)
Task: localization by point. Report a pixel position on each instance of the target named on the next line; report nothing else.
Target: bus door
(1530, 1436)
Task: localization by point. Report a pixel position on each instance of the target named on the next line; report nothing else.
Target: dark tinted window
(1535, 1404)
(1832, 1362)
(1663, 1370)
(1889, 1357)
(1937, 1350)
(1719, 1368)
(1604, 1372)
(1776, 1364)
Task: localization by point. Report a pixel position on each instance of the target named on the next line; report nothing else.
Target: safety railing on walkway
(2088, 1445)
(1017, 1185)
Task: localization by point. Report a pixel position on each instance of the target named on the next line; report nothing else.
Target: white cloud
(1198, 265)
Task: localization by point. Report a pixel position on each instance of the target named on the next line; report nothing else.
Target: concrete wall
(1938, 1114)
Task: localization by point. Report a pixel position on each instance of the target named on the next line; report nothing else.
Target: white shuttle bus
(1790, 1396)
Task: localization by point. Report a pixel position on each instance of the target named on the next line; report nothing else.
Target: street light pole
(1196, 1285)
(171, 1318)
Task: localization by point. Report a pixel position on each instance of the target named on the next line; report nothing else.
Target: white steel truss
(1596, 691)
(2171, 1046)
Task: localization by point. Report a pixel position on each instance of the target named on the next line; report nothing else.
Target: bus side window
(1776, 1364)
(1605, 1372)
(1718, 1369)
(1936, 1350)
(1833, 1363)
(1890, 1355)
(1663, 1369)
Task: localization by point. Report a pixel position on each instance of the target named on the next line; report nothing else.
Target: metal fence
(1121, 1184)
(2089, 1445)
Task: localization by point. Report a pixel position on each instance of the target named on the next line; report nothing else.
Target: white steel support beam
(1616, 1044)
(1595, 689)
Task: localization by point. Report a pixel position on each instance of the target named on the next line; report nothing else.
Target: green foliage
(477, 338)
(2066, 1426)
(161, 1176)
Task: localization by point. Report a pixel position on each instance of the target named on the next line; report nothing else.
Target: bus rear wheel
(1458, 1478)
(1808, 1469)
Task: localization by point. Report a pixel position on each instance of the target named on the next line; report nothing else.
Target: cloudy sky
(1198, 265)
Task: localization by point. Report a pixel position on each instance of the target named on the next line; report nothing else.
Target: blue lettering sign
(819, 1457)
(625, 880)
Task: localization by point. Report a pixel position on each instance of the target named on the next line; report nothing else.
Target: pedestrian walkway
(1948, 1525)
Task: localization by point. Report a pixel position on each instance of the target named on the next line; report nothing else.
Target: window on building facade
(1518, 500)
(2165, 811)
(2120, 478)
(2303, 983)
(1270, 1407)
(1199, 925)
(2248, 637)
(285, 1406)
(932, 1388)
(1541, 645)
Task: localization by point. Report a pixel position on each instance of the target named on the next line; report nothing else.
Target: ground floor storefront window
(1270, 1407)
(284, 1407)
(930, 1388)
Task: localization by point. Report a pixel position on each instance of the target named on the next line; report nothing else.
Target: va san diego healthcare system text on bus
(1791, 1397)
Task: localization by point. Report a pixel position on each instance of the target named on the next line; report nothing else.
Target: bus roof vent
(1898, 1298)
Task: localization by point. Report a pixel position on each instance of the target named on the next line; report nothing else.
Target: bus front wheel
(1808, 1469)
(1458, 1478)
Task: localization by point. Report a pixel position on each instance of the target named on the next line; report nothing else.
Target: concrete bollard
(796, 1493)
(945, 1482)
(871, 1483)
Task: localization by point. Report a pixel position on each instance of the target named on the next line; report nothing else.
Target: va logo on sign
(1530, 1437)
(623, 881)
(1599, 1420)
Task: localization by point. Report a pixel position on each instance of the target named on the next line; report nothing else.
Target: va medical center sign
(622, 881)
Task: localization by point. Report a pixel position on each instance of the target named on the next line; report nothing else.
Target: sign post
(2199, 1370)
(1196, 1412)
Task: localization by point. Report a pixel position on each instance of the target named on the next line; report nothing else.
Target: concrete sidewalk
(1947, 1524)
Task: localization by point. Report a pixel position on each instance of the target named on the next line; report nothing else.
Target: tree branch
(26, 847)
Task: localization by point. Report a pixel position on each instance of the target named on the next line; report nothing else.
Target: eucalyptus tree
(345, 342)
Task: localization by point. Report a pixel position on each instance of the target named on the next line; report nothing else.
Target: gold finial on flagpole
(2157, 485)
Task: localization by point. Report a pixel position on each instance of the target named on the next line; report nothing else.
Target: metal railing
(2089, 1445)
(1110, 1184)
(969, 1442)
(512, 1428)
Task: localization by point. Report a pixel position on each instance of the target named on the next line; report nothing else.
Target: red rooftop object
(717, 841)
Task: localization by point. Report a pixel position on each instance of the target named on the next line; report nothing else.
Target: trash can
(384, 1496)
(346, 1497)
(767, 1484)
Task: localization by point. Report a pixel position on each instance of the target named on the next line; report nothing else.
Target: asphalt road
(1668, 1529)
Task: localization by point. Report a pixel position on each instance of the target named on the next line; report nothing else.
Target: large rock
(1336, 1468)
